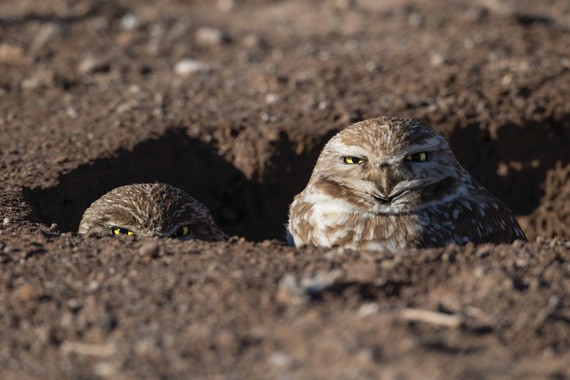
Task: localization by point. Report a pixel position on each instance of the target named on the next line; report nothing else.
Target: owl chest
(348, 226)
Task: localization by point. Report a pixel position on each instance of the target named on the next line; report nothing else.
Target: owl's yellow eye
(351, 160)
(121, 231)
(182, 231)
(417, 157)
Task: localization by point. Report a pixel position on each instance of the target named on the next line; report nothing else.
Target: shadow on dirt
(256, 210)
(513, 164)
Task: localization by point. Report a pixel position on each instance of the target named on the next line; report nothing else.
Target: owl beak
(387, 184)
(387, 181)
(383, 199)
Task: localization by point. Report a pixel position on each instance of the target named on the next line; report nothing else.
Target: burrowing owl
(395, 183)
(150, 209)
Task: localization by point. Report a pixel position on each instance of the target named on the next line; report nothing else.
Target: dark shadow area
(513, 165)
(253, 209)
(524, 19)
(286, 174)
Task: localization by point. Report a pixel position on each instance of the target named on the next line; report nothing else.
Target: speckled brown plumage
(150, 209)
(408, 191)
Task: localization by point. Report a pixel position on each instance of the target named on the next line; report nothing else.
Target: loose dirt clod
(26, 293)
(150, 250)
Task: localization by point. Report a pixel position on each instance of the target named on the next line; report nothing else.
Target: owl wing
(482, 218)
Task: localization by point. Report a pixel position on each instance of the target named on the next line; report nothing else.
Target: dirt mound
(232, 101)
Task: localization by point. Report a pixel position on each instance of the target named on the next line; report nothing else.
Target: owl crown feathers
(150, 209)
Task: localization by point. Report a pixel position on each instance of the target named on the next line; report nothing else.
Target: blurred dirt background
(231, 101)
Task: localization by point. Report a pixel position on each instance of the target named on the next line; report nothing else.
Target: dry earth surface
(231, 100)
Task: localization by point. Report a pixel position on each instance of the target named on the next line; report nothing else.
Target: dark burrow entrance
(254, 209)
(257, 208)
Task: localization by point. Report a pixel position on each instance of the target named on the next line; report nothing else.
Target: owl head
(393, 165)
(150, 209)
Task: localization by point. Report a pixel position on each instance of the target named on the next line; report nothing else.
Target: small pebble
(368, 310)
(26, 293)
(372, 66)
(105, 369)
(268, 117)
(6, 221)
(92, 286)
(149, 249)
(415, 19)
(437, 59)
(207, 36)
(12, 54)
(188, 66)
(324, 105)
(129, 22)
(225, 5)
(272, 98)
(289, 291)
(9, 249)
(71, 112)
(92, 64)
(280, 359)
(252, 41)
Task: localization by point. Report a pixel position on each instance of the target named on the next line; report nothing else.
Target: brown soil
(92, 96)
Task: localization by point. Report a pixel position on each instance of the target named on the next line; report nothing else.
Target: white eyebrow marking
(352, 150)
(429, 144)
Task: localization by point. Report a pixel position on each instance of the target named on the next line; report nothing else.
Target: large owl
(150, 209)
(395, 183)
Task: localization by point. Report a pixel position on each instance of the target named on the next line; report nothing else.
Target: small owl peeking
(150, 209)
(395, 183)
